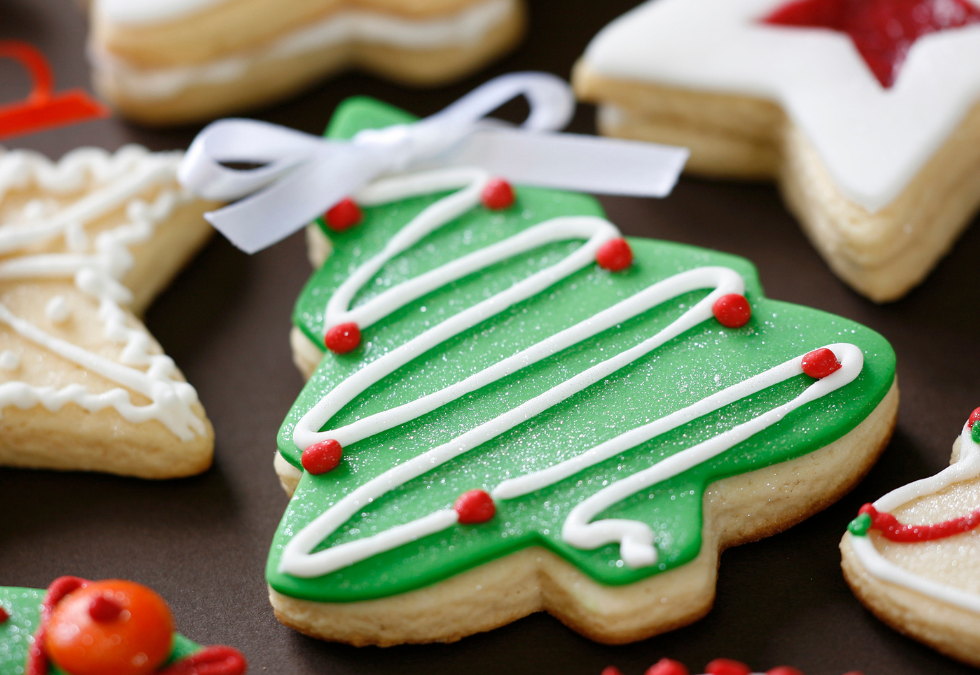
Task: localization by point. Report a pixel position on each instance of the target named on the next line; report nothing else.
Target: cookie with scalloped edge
(870, 132)
(166, 62)
(515, 409)
(85, 245)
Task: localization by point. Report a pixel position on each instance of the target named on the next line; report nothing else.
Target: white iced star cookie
(85, 243)
(173, 61)
(912, 556)
(876, 154)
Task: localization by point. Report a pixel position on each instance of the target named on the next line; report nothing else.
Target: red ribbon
(893, 530)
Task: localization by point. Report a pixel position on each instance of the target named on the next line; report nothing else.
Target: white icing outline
(463, 29)
(636, 539)
(873, 141)
(121, 178)
(966, 467)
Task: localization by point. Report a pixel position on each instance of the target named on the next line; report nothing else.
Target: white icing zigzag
(636, 539)
(97, 269)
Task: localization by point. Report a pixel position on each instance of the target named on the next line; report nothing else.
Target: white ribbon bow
(304, 175)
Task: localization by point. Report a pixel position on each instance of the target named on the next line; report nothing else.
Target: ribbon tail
(572, 162)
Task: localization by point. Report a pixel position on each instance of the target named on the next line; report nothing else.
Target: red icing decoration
(611, 670)
(475, 506)
(893, 530)
(42, 109)
(37, 658)
(615, 255)
(322, 457)
(883, 31)
(497, 195)
(104, 610)
(4, 615)
(784, 670)
(137, 642)
(217, 660)
(667, 667)
(343, 338)
(345, 215)
(727, 667)
(732, 310)
(820, 363)
(974, 418)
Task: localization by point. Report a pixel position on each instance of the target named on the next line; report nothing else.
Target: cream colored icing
(458, 30)
(97, 267)
(872, 140)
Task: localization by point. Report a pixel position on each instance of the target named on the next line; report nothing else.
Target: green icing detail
(704, 360)
(975, 433)
(17, 633)
(860, 525)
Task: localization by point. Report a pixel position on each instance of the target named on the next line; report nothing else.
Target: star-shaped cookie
(173, 61)
(881, 168)
(85, 244)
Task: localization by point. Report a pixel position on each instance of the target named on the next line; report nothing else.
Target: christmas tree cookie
(516, 409)
(85, 245)
(911, 557)
(866, 112)
(80, 627)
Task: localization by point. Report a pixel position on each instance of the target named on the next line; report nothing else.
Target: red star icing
(883, 31)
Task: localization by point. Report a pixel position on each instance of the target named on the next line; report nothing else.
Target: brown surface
(202, 542)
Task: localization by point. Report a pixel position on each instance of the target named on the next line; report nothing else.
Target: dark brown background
(202, 542)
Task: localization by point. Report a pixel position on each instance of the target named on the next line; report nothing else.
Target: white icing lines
(966, 468)
(636, 539)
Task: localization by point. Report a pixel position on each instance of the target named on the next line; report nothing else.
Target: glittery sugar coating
(704, 360)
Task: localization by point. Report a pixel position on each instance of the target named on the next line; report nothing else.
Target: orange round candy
(110, 628)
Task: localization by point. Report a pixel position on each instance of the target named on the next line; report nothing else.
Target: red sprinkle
(322, 457)
(217, 660)
(974, 418)
(104, 610)
(820, 363)
(667, 667)
(4, 615)
(345, 215)
(727, 667)
(497, 195)
(343, 338)
(475, 506)
(732, 310)
(37, 658)
(611, 670)
(784, 670)
(615, 255)
(893, 530)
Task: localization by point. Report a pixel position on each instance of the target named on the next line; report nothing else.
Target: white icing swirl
(635, 539)
(121, 178)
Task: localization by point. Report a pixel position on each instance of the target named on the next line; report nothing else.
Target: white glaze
(120, 180)
(143, 12)
(463, 29)
(9, 360)
(57, 309)
(637, 549)
(966, 467)
(872, 140)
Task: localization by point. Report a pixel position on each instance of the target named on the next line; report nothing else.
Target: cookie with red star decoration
(865, 112)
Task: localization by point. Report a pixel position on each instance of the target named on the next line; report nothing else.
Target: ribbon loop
(304, 175)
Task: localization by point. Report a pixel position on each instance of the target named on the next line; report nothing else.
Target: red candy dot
(217, 660)
(820, 363)
(784, 670)
(727, 667)
(345, 215)
(611, 670)
(615, 255)
(475, 506)
(667, 667)
(4, 615)
(343, 338)
(322, 457)
(974, 418)
(497, 195)
(104, 610)
(732, 310)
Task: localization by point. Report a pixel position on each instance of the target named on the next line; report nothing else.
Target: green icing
(704, 360)
(17, 633)
(860, 525)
